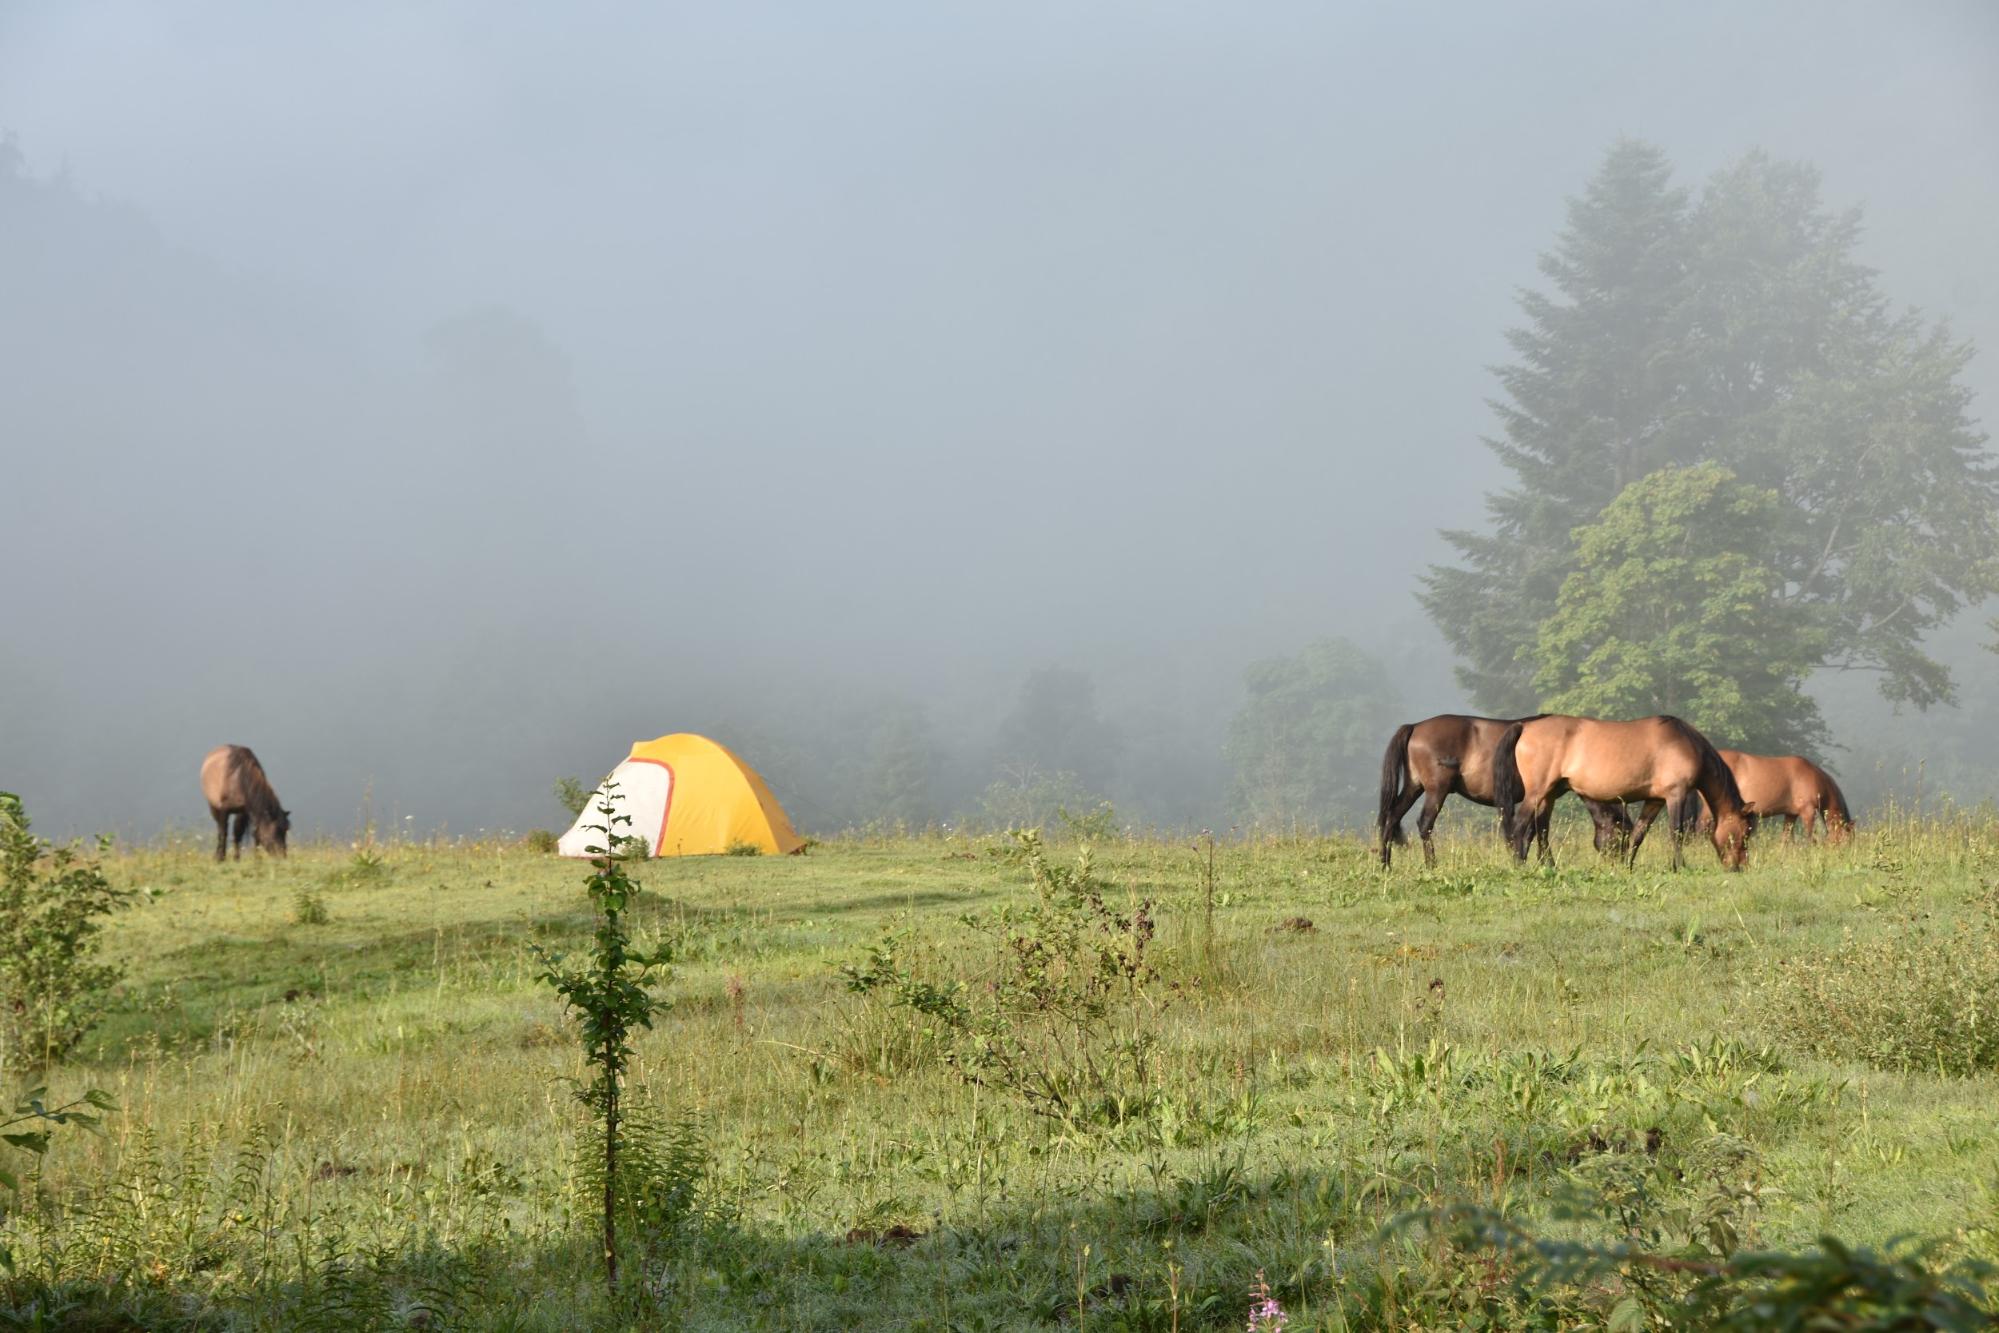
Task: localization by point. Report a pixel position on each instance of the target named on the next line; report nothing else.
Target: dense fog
(947, 409)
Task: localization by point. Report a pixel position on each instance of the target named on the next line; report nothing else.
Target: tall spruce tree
(1738, 329)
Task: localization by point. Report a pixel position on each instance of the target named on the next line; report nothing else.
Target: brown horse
(1451, 754)
(1658, 760)
(235, 785)
(1788, 785)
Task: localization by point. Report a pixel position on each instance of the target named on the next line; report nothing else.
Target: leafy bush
(309, 909)
(1917, 998)
(1030, 797)
(611, 997)
(366, 866)
(572, 795)
(1098, 824)
(540, 841)
(1633, 1285)
(1064, 1019)
(52, 906)
(742, 849)
(661, 1168)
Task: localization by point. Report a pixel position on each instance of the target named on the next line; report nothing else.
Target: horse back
(229, 774)
(1776, 784)
(1453, 752)
(1609, 760)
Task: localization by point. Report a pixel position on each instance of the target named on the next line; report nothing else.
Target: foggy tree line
(1741, 471)
(1744, 482)
(1737, 465)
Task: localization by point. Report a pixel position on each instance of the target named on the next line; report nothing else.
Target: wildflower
(1265, 1314)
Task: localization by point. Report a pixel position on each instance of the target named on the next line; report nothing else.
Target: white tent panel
(645, 791)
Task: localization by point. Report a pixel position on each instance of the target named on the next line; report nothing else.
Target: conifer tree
(1738, 328)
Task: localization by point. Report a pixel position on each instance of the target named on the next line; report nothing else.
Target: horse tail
(1716, 777)
(1508, 788)
(1832, 801)
(1394, 777)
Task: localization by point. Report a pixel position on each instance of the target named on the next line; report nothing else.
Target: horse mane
(1835, 800)
(260, 799)
(1716, 778)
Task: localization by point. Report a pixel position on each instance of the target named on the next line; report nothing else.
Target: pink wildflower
(1265, 1314)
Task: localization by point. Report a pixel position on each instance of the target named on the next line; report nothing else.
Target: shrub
(1030, 797)
(540, 841)
(309, 909)
(1064, 1018)
(742, 849)
(661, 1167)
(52, 906)
(611, 997)
(1633, 1285)
(572, 795)
(1917, 998)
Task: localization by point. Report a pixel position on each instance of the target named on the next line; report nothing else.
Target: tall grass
(365, 1121)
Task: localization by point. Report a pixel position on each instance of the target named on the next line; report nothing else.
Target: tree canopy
(1735, 328)
(1306, 743)
(1055, 727)
(1675, 606)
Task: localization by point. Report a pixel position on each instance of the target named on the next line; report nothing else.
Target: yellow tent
(687, 796)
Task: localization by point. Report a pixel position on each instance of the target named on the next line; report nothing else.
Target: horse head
(271, 831)
(1731, 837)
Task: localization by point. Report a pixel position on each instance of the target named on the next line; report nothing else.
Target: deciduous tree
(1738, 328)
(1675, 606)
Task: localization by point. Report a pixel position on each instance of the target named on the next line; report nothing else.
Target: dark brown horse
(1790, 786)
(236, 788)
(1658, 760)
(1451, 755)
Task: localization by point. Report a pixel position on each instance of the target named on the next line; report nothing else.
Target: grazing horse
(1788, 785)
(1451, 754)
(1658, 760)
(236, 788)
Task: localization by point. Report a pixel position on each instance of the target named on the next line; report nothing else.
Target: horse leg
(1646, 815)
(1521, 833)
(1599, 825)
(1790, 827)
(1392, 830)
(1426, 823)
(1544, 815)
(242, 826)
(1676, 805)
(1611, 824)
(221, 818)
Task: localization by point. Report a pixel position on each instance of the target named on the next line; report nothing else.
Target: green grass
(365, 1121)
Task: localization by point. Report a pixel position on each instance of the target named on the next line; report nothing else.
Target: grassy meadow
(344, 1101)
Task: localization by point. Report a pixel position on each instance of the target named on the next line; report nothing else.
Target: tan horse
(236, 788)
(1791, 786)
(1658, 760)
(1451, 755)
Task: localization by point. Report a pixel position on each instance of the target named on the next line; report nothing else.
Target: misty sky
(445, 395)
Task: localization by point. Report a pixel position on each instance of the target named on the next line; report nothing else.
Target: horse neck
(259, 801)
(1716, 792)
